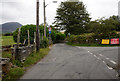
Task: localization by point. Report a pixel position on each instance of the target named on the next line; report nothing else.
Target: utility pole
(44, 18)
(18, 38)
(37, 27)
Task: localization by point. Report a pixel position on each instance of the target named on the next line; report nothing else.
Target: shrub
(91, 38)
(8, 34)
(44, 43)
(53, 36)
(60, 37)
(32, 29)
(24, 32)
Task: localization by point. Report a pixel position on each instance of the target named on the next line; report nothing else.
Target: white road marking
(110, 68)
(98, 58)
(100, 54)
(108, 58)
(95, 56)
(91, 53)
(104, 62)
(113, 62)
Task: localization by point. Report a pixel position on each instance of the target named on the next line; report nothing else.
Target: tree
(115, 22)
(93, 27)
(72, 17)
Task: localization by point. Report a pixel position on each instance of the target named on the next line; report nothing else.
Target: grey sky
(24, 11)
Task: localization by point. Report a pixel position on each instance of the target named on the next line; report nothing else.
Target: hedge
(91, 38)
(56, 36)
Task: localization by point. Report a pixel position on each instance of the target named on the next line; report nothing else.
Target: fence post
(18, 37)
(35, 40)
(14, 52)
(28, 39)
(24, 41)
(42, 36)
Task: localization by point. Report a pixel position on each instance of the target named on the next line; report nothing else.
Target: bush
(44, 43)
(91, 38)
(53, 36)
(17, 63)
(8, 34)
(60, 37)
(32, 29)
(24, 32)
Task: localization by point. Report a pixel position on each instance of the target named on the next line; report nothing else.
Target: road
(73, 62)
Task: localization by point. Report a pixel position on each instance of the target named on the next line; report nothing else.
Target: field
(7, 40)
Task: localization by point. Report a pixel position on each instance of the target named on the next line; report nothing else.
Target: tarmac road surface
(68, 62)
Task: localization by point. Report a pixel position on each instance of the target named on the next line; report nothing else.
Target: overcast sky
(24, 11)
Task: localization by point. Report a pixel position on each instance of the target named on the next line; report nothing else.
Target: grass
(91, 45)
(13, 74)
(16, 73)
(36, 57)
(6, 54)
(7, 40)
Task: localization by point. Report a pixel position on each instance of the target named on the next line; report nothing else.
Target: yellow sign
(105, 41)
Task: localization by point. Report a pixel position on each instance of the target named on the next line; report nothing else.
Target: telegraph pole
(44, 19)
(37, 27)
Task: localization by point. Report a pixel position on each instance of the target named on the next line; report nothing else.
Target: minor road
(68, 62)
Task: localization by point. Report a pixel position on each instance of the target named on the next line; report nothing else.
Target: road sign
(49, 30)
(105, 41)
(115, 41)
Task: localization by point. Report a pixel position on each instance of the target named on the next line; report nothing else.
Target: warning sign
(114, 41)
(105, 41)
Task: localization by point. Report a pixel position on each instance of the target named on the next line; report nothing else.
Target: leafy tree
(93, 27)
(115, 22)
(72, 17)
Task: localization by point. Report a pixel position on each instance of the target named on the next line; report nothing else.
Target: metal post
(37, 27)
(44, 18)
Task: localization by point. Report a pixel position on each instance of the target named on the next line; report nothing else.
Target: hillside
(10, 27)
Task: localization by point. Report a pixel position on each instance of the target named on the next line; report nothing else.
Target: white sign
(49, 28)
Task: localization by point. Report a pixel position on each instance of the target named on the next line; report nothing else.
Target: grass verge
(33, 58)
(91, 45)
(7, 40)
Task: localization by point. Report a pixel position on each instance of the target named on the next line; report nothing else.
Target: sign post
(50, 35)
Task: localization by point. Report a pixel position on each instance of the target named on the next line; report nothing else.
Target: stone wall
(22, 52)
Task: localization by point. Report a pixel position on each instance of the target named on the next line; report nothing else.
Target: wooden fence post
(42, 36)
(28, 39)
(35, 40)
